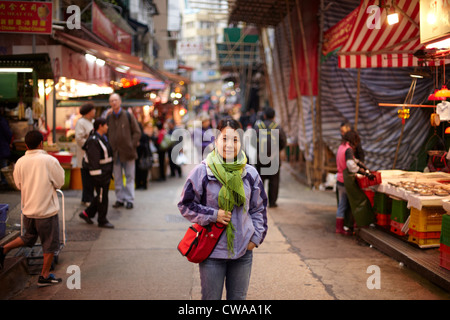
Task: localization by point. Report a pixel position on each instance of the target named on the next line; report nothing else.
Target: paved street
(301, 258)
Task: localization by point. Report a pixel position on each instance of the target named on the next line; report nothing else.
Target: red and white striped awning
(376, 46)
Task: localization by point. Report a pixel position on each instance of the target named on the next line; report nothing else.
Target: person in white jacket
(37, 175)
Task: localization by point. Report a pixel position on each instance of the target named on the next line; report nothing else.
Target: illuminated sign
(26, 17)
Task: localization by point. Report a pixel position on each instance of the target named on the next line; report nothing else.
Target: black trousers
(141, 177)
(274, 185)
(162, 159)
(174, 168)
(88, 187)
(100, 203)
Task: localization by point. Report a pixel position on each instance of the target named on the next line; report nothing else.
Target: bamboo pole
(266, 70)
(319, 91)
(249, 82)
(282, 84)
(297, 88)
(279, 90)
(310, 88)
(358, 87)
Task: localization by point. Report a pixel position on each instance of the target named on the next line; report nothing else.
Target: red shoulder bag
(199, 241)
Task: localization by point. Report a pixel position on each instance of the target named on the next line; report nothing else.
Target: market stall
(375, 71)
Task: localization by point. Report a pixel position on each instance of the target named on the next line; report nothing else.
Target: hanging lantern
(403, 114)
(443, 93)
(433, 97)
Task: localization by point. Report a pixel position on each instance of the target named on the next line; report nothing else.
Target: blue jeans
(124, 193)
(235, 274)
(343, 202)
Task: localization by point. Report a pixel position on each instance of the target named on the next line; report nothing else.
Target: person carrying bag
(224, 191)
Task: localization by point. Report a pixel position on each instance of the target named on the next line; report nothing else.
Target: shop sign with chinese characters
(26, 17)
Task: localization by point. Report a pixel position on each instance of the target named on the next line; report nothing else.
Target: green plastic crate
(445, 231)
(399, 211)
(382, 203)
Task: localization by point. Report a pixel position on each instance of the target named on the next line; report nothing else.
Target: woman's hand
(224, 217)
(251, 246)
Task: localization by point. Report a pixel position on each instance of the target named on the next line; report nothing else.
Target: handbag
(199, 241)
(145, 163)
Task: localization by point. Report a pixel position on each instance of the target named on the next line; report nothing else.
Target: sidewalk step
(13, 277)
(423, 261)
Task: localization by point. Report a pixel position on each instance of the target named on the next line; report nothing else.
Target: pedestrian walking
(123, 135)
(98, 161)
(162, 146)
(37, 175)
(144, 161)
(268, 152)
(202, 137)
(223, 188)
(83, 128)
(174, 167)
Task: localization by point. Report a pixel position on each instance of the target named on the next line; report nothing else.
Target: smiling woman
(225, 189)
(228, 142)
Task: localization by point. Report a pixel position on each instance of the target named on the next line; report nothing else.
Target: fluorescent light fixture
(90, 57)
(419, 74)
(121, 70)
(443, 44)
(100, 62)
(11, 70)
(392, 18)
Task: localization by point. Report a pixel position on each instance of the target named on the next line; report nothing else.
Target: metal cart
(35, 253)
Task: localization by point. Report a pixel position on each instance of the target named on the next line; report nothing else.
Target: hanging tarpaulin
(308, 11)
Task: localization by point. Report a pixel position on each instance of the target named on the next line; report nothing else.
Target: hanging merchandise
(37, 107)
(403, 114)
(21, 109)
(443, 110)
(435, 120)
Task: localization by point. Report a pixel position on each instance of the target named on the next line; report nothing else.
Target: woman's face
(228, 143)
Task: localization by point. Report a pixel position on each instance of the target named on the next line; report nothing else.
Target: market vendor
(354, 206)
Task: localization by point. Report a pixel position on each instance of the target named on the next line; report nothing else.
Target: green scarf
(232, 192)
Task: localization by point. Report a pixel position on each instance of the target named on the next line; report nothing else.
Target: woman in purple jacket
(225, 189)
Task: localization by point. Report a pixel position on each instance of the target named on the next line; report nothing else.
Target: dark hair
(346, 124)
(33, 139)
(98, 122)
(351, 137)
(86, 108)
(269, 113)
(229, 122)
(233, 124)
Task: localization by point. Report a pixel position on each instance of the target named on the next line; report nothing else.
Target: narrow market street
(301, 259)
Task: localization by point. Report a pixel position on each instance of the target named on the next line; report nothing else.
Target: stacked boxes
(425, 226)
(382, 207)
(399, 215)
(445, 242)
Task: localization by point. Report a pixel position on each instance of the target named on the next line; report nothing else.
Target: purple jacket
(199, 204)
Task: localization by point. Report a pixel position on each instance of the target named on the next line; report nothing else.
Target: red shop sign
(26, 17)
(109, 32)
